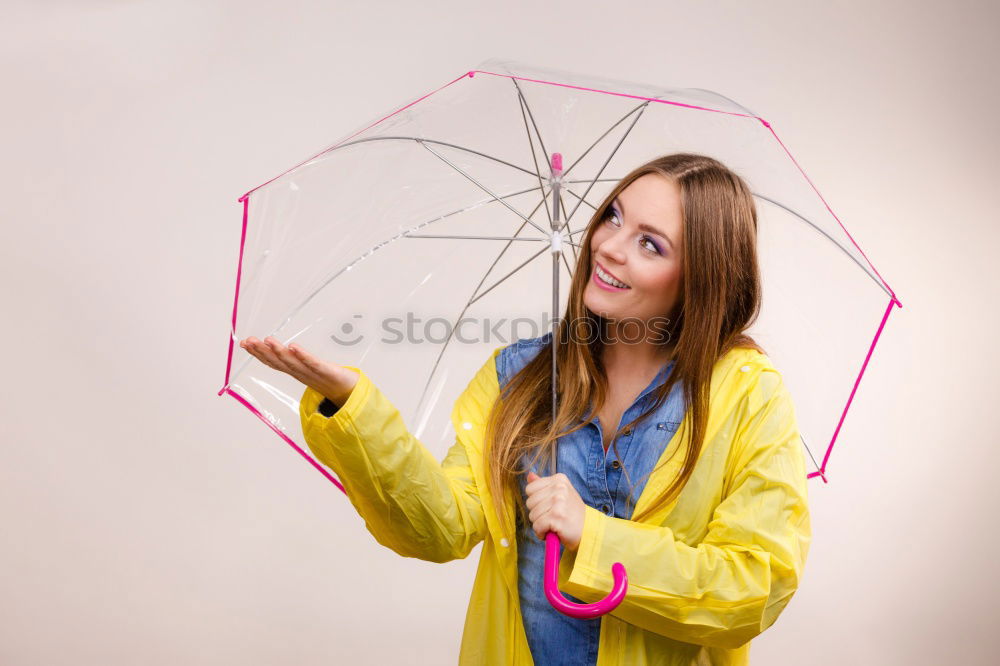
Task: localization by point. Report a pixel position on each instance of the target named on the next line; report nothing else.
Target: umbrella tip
(557, 161)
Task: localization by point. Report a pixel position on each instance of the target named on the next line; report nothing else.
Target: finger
(543, 506)
(554, 504)
(535, 487)
(536, 524)
(551, 515)
(295, 366)
(535, 508)
(259, 351)
(543, 526)
(308, 362)
(537, 482)
(278, 353)
(537, 496)
(266, 353)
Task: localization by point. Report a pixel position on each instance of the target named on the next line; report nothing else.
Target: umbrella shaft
(556, 251)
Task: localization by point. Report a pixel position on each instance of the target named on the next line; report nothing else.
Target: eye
(655, 249)
(647, 239)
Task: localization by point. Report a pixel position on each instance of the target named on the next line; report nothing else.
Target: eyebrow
(646, 227)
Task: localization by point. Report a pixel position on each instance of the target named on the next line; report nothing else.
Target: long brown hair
(720, 299)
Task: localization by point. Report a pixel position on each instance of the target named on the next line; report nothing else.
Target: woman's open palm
(334, 381)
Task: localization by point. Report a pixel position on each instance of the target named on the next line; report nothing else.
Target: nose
(611, 250)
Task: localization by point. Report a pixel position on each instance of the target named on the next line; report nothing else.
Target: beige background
(146, 520)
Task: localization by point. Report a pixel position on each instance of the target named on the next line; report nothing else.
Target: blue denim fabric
(555, 638)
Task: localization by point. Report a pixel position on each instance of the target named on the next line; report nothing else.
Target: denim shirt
(555, 638)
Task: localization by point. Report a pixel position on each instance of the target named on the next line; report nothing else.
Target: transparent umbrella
(418, 243)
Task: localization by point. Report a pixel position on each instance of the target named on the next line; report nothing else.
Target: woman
(677, 446)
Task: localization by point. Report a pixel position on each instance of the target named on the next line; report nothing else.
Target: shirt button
(616, 464)
(628, 430)
(606, 509)
(504, 542)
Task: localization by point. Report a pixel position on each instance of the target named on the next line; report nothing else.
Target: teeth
(610, 280)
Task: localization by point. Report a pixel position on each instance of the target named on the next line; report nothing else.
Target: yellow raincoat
(706, 574)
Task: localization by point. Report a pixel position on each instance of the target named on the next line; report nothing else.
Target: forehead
(654, 200)
(652, 193)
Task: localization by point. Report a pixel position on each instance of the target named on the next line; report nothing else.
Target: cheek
(662, 281)
(600, 234)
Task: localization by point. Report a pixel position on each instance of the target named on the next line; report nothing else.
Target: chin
(599, 311)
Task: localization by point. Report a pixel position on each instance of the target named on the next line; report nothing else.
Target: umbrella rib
(569, 271)
(493, 265)
(606, 132)
(405, 234)
(642, 108)
(466, 307)
(506, 238)
(419, 139)
(809, 451)
(599, 180)
(566, 218)
(444, 347)
(796, 214)
(483, 187)
(566, 172)
(523, 105)
(333, 277)
(571, 233)
(524, 100)
(498, 282)
(874, 279)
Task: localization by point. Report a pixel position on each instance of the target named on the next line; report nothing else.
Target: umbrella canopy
(416, 245)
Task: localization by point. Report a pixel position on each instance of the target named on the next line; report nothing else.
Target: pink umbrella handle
(567, 607)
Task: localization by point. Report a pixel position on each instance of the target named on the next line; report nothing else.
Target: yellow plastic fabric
(706, 573)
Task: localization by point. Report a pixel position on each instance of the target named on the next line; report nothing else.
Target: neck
(634, 357)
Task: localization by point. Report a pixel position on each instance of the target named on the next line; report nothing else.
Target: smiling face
(639, 243)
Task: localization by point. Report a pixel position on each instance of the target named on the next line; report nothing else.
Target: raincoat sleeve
(733, 584)
(409, 501)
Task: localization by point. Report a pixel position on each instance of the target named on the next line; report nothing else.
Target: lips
(605, 269)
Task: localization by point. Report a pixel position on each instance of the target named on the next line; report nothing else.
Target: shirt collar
(659, 380)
